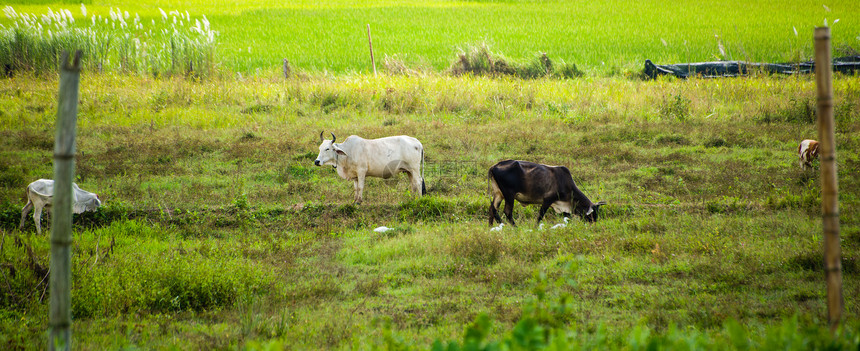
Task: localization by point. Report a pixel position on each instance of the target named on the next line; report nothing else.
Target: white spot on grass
(382, 229)
(561, 225)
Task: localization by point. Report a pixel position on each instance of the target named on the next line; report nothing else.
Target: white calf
(40, 194)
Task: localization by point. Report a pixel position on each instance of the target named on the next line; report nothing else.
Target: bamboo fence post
(60, 317)
(829, 180)
(370, 43)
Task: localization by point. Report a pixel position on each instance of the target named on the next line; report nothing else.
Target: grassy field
(218, 232)
(598, 36)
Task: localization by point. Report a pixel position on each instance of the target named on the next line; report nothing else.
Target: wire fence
(451, 169)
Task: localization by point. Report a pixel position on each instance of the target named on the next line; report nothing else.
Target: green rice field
(601, 36)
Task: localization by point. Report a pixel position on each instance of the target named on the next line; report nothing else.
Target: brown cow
(807, 151)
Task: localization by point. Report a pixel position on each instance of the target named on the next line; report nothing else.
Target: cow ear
(338, 150)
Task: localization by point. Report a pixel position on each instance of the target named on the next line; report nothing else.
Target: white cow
(40, 194)
(357, 158)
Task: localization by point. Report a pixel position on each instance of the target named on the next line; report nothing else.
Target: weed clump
(258, 108)
(478, 60)
(425, 208)
(799, 111)
(396, 65)
(814, 261)
(808, 199)
(676, 139)
(675, 107)
(716, 142)
(479, 247)
(726, 205)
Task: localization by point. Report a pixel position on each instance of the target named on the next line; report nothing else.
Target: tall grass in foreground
(176, 45)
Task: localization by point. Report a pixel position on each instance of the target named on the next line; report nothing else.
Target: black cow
(532, 183)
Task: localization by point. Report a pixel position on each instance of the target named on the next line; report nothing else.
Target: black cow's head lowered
(589, 212)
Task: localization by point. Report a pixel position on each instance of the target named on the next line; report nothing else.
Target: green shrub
(134, 268)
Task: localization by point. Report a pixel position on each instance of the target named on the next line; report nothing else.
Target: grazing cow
(807, 151)
(40, 194)
(357, 158)
(532, 183)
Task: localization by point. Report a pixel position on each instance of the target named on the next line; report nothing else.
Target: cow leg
(416, 183)
(359, 187)
(37, 217)
(543, 208)
(24, 212)
(509, 209)
(494, 206)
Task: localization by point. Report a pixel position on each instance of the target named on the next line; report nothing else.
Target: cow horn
(333, 138)
(321, 138)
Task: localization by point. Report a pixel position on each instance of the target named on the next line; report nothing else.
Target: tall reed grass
(177, 44)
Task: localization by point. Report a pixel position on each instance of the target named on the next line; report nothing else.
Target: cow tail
(423, 185)
(27, 194)
(490, 179)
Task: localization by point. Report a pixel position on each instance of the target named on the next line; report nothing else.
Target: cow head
(94, 204)
(329, 152)
(590, 213)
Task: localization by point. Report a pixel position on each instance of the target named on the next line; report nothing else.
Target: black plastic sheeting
(715, 69)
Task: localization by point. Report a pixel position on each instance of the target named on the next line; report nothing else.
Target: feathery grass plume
(720, 47)
(118, 42)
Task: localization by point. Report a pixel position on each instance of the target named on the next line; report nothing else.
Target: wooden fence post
(60, 317)
(829, 180)
(370, 42)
